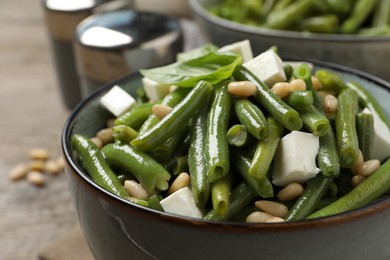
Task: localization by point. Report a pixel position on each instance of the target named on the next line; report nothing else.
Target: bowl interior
(89, 117)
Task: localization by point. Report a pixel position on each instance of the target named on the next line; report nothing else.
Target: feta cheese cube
(117, 101)
(295, 158)
(381, 144)
(243, 47)
(154, 90)
(181, 202)
(268, 67)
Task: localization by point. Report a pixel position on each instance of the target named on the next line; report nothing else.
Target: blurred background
(33, 111)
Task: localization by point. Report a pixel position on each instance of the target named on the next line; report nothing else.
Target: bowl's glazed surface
(118, 229)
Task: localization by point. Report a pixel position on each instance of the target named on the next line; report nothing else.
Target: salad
(221, 135)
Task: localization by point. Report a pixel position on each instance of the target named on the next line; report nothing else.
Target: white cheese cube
(381, 144)
(117, 101)
(181, 202)
(243, 48)
(154, 90)
(268, 67)
(295, 158)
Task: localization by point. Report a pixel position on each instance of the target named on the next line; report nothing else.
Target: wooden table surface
(32, 116)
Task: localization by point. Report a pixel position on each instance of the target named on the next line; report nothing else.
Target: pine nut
(258, 217)
(136, 190)
(290, 192)
(105, 135)
(52, 167)
(274, 208)
(172, 88)
(330, 104)
(97, 142)
(39, 154)
(297, 85)
(368, 167)
(37, 165)
(160, 111)
(358, 164)
(275, 220)
(315, 83)
(61, 162)
(36, 178)
(357, 179)
(281, 89)
(110, 123)
(181, 181)
(242, 88)
(18, 172)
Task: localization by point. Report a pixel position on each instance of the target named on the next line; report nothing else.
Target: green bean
(328, 158)
(381, 15)
(181, 165)
(220, 195)
(171, 100)
(265, 150)
(370, 189)
(361, 10)
(241, 196)
(365, 133)
(174, 121)
(281, 4)
(282, 19)
(154, 202)
(283, 113)
(310, 198)
(238, 136)
(200, 185)
(319, 24)
(340, 7)
(366, 99)
(263, 187)
(375, 31)
(165, 150)
(314, 120)
(95, 165)
(330, 81)
(346, 135)
(135, 117)
(124, 134)
(217, 147)
(303, 72)
(148, 172)
(251, 117)
(299, 98)
(288, 70)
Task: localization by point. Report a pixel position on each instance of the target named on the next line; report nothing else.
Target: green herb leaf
(212, 67)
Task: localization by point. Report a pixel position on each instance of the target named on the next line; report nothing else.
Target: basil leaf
(212, 67)
(197, 52)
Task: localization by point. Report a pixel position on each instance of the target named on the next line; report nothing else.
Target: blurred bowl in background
(366, 53)
(112, 44)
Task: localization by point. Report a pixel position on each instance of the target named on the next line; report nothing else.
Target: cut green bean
(148, 172)
(165, 150)
(319, 24)
(299, 98)
(330, 80)
(370, 189)
(360, 12)
(263, 186)
(220, 195)
(154, 202)
(124, 134)
(346, 135)
(265, 150)
(251, 117)
(381, 15)
(282, 112)
(241, 196)
(181, 165)
(314, 120)
(366, 99)
(217, 147)
(328, 158)
(95, 165)
(200, 185)
(238, 136)
(365, 133)
(135, 117)
(310, 198)
(174, 121)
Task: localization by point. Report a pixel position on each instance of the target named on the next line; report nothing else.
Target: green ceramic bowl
(118, 229)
